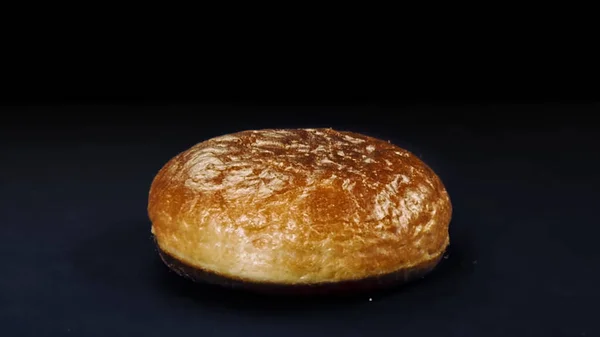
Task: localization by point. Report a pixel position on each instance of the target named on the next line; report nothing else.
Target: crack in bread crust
(299, 206)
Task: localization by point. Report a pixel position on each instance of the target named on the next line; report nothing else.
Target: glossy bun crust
(299, 209)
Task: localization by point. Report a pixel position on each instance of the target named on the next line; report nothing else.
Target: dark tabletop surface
(78, 259)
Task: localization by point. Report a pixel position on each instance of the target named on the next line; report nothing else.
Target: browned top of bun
(299, 206)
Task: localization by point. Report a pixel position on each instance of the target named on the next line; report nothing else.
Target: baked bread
(299, 210)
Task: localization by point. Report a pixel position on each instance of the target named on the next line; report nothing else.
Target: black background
(519, 159)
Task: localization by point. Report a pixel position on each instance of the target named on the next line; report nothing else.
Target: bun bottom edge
(345, 287)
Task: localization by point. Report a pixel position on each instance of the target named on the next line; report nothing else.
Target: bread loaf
(309, 210)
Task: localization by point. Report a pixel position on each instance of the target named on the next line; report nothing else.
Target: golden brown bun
(299, 207)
